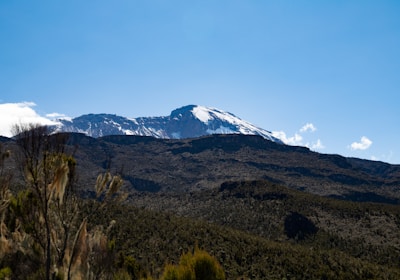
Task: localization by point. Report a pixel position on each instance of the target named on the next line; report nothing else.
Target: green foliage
(5, 273)
(197, 266)
(122, 275)
(129, 266)
(206, 266)
(172, 272)
(155, 238)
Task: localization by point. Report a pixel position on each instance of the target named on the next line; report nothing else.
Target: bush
(5, 273)
(197, 266)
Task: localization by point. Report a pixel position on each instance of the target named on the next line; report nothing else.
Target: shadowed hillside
(159, 165)
(154, 165)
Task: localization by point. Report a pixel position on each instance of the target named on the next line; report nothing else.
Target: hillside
(165, 165)
(259, 230)
(148, 164)
(263, 209)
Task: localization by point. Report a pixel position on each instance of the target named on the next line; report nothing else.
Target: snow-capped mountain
(187, 122)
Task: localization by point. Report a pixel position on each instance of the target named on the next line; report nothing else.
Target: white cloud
(297, 139)
(294, 140)
(19, 113)
(57, 116)
(308, 127)
(318, 145)
(364, 144)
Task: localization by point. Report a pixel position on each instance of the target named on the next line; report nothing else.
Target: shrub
(197, 266)
(5, 273)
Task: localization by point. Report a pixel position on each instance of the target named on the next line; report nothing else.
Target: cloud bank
(364, 144)
(295, 140)
(19, 113)
(298, 140)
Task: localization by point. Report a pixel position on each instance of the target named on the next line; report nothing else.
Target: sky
(321, 74)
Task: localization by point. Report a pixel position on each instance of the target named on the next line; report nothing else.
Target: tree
(47, 207)
(12, 237)
(5, 196)
(49, 211)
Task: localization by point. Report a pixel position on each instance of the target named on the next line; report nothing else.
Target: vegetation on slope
(243, 229)
(369, 231)
(155, 238)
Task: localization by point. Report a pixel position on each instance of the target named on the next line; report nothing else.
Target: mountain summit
(186, 122)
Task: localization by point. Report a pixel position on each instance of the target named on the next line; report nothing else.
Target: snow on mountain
(209, 114)
(185, 122)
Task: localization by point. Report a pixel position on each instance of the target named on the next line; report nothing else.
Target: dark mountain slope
(166, 165)
(160, 165)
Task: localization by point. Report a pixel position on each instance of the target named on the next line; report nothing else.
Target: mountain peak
(206, 114)
(182, 110)
(186, 122)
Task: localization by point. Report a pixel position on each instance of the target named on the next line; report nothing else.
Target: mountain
(153, 165)
(187, 122)
(260, 207)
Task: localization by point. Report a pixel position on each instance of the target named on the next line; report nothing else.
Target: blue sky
(324, 74)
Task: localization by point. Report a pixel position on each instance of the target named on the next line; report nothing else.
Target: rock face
(187, 122)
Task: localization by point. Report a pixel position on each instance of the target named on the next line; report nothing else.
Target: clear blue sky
(278, 64)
